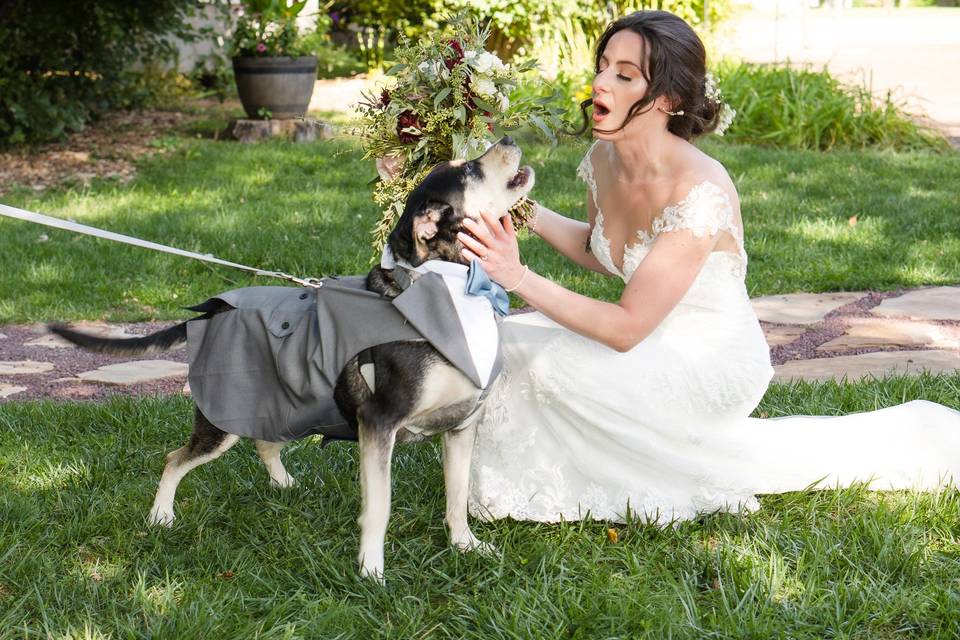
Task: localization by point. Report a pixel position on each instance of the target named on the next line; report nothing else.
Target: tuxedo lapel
(427, 305)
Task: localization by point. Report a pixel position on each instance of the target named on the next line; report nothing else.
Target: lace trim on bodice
(706, 210)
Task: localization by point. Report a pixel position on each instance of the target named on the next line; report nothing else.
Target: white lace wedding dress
(574, 429)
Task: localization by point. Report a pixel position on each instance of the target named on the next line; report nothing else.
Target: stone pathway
(852, 335)
(812, 336)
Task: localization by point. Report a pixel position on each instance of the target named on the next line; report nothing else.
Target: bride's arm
(567, 236)
(655, 287)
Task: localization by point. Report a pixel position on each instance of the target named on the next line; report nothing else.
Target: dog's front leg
(457, 452)
(376, 450)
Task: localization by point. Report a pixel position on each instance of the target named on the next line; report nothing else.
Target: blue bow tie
(480, 284)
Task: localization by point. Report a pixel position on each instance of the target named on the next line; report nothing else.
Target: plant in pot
(274, 75)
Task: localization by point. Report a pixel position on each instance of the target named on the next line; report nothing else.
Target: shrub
(525, 28)
(63, 62)
(802, 108)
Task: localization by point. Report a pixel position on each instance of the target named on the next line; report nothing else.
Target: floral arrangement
(727, 113)
(449, 98)
(267, 28)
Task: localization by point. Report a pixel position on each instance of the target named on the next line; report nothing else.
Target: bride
(640, 408)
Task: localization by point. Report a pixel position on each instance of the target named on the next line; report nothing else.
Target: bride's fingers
(470, 255)
(492, 223)
(478, 229)
(472, 244)
(508, 226)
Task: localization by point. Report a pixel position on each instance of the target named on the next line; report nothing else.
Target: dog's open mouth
(520, 179)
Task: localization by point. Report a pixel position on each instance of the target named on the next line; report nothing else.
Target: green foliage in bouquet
(449, 99)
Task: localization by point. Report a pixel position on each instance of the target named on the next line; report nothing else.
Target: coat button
(303, 296)
(285, 325)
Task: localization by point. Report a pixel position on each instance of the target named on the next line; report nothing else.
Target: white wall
(191, 52)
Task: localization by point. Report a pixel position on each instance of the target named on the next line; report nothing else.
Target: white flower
(711, 90)
(727, 114)
(433, 69)
(487, 61)
(484, 88)
(469, 55)
(504, 102)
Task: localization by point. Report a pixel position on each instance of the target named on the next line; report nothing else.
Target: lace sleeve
(585, 173)
(706, 210)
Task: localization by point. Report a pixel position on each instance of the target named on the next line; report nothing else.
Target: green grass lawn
(77, 559)
(76, 479)
(306, 209)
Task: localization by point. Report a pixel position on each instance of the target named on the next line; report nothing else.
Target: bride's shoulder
(699, 176)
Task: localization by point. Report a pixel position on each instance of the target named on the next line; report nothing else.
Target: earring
(671, 113)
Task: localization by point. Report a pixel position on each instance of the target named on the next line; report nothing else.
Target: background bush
(802, 108)
(63, 62)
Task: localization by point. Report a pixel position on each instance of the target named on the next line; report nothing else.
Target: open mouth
(600, 111)
(520, 179)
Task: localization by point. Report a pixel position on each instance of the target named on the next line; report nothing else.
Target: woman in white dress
(641, 406)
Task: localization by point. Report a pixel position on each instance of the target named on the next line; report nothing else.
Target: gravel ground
(61, 382)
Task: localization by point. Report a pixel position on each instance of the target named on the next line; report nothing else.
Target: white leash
(58, 223)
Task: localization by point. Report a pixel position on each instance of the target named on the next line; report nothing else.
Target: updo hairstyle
(674, 64)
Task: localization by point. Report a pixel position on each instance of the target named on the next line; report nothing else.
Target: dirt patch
(108, 148)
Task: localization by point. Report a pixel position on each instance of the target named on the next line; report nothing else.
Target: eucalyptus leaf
(437, 99)
(483, 104)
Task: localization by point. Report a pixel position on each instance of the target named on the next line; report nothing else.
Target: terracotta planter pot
(281, 86)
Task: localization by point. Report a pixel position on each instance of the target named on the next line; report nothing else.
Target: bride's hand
(494, 242)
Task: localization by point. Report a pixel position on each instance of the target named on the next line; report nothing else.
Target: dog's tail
(160, 341)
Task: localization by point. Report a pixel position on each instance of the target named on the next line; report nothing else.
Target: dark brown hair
(674, 65)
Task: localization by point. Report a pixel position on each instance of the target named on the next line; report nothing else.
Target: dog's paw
(286, 482)
(472, 544)
(373, 573)
(161, 518)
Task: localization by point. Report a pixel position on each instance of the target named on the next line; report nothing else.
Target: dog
(415, 393)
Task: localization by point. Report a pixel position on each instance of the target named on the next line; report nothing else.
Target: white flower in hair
(726, 112)
(711, 90)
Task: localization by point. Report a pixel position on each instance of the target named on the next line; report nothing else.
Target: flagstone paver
(878, 364)
(878, 333)
(135, 372)
(812, 336)
(936, 303)
(23, 367)
(7, 390)
(801, 308)
(778, 335)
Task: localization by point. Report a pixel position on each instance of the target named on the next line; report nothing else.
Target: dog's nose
(507, 141)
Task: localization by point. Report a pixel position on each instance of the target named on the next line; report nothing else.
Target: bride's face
(619, 84)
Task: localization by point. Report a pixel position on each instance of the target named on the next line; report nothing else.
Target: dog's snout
(507, 141)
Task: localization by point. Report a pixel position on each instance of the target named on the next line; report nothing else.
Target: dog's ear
(425, 221)
(417, 226)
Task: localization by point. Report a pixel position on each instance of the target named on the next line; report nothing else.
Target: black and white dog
(417, 392)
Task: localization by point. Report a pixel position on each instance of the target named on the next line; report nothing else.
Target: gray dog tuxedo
(267, 367)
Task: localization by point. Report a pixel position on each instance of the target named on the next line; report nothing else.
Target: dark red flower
(468, 97)
(457, 54)
(384, 98)
(408, 119)
(489, 124)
